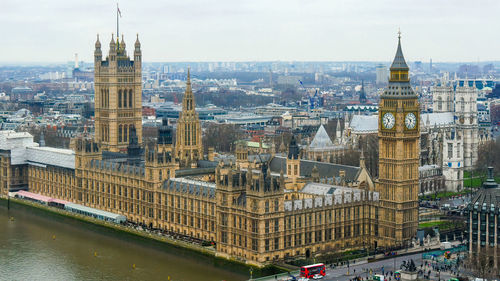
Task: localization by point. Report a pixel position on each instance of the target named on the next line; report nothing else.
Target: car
(317, 276)
(303, 279)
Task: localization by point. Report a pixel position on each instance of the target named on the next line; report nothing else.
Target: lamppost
(251, 273)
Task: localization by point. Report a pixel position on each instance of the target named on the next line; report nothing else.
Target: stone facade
(189, 148)
(258, 209)
(399, 154)
(118, 95)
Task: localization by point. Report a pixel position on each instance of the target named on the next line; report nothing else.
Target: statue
(411, 266)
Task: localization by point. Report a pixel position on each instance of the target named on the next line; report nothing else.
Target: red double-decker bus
(309, 271)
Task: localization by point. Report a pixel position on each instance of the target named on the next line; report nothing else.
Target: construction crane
(314, 100)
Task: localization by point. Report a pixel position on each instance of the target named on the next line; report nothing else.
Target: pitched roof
(364, 124)
(321, 139)
(399, 60)
(326, 170)
(438, 118)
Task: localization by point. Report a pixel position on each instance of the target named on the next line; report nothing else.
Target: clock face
(388, 120)
(410, 121)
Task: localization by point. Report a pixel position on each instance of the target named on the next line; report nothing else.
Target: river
(39, 246)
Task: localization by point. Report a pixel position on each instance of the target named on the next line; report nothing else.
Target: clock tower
(399, 150)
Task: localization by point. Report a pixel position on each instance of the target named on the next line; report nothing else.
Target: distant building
(456, 101)
(21, 93)
(431, 179)
(322, 149)
(289, 80)
(381, 73)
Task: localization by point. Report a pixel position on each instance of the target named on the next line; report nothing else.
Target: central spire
(399, 62)
(188, 100)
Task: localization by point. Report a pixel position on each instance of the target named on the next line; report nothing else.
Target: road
(340, 274)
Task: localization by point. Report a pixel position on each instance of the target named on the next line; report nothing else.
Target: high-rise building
(381, 73)
(118, 95)
(399, 152)
(189, 148)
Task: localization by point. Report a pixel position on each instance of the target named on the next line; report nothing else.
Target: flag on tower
(119, 12)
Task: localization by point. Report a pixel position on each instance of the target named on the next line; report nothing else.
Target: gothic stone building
(259, 208)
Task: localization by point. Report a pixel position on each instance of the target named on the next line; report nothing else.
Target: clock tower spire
(399, 153)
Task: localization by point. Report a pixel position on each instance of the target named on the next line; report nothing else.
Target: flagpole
(117, 26)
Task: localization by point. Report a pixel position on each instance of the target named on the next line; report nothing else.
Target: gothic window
(267, 206)
(450, 150)
(194, 134)
(124, 98)
(462, 104)
(130, 98)
(120, 130)
(440, 103)
(119, 98)
(125, 133)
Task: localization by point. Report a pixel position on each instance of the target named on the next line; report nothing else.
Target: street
(362, 270)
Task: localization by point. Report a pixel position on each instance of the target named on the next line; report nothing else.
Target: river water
(38, 246)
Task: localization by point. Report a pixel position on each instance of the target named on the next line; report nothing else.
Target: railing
(281, 276)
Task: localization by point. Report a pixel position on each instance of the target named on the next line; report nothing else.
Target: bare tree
(481, 262)
(489, 155)
(221, 137)
(369, 144)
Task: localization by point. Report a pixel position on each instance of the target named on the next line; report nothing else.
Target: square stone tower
(399, 154)
(118, 95)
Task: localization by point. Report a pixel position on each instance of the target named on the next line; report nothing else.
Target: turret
(137, 52)
(362, 163)
(293, 161)
(97, 53)
(122, 46)
(112, 50)
(112, 45)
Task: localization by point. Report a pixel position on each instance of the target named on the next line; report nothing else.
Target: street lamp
(251, 273)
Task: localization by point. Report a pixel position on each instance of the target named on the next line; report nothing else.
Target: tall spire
(362, 163)
(97, 42)
(137, 43)
(399, 60)
(112, 43)
(188, 100)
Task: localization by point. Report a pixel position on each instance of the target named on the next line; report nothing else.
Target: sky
(253, 30)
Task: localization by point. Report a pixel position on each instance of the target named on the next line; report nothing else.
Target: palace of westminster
(257, 208)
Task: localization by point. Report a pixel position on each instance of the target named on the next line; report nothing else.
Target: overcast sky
(262, 30)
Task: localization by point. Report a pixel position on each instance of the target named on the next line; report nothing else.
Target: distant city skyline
(223, 30)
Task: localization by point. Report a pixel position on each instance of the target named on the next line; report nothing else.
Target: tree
(221, 137)
(369, 144)
(489, 155)
(481, 262)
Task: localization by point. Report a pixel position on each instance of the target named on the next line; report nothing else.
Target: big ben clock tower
(399, 149)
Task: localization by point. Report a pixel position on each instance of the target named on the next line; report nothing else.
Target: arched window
(124, 98)
(102, 97)
(267, 206)
(119, 98)
(125, 133)
(462, 104)
(120, 130)
(130, 98)
(440, 103)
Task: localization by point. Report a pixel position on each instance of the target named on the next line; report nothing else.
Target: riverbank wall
(204, 254)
